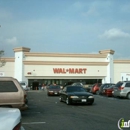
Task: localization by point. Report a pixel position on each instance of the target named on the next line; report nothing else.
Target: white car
(10, 119)
(24, 85)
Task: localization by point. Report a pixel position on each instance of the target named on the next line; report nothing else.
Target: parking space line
(112, 98)
(34, 123)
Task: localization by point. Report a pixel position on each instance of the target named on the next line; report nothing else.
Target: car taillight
(121, 87)
(96, 87)
(17, 127)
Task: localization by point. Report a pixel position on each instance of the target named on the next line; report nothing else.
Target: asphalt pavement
(47, 113)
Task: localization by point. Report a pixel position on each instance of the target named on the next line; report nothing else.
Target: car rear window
(118, 84)
(54, 87)
(127, 85)
(75, 89)
(7, 86)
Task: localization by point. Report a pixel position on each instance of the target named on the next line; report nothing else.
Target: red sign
(70, 70)
(29, 73)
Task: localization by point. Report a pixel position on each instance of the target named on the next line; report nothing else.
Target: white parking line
(112, 98)
(34, 123)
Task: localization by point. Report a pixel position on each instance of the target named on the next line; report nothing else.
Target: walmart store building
(39, 68)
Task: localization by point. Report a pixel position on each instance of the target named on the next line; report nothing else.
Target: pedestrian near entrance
(54, 83)
(39, 87)
(43, 86)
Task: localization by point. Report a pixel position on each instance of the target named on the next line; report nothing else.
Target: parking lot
(49, 114)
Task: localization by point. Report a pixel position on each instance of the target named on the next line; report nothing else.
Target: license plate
(55, 93)
(84, 100)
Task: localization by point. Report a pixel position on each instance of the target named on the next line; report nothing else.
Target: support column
(110, 67)
(19, 66)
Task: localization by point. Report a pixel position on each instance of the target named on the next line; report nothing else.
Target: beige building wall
(65, 57)
(42, 65)
(48, 70)
(120, 66)
(8, 68)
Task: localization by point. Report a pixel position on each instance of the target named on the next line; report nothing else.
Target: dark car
(89, 88)
(83, 84)
(53, 90)
(104, 86)
(108, 91)
(95, 88)
(79, 84)
(76, 94)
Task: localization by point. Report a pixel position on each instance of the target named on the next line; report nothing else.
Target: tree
(2, 61)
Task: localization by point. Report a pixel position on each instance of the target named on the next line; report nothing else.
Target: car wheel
(67, 101)
(128, 95)
(97, 92)
(60, 99)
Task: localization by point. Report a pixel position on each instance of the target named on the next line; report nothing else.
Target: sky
(66, 26)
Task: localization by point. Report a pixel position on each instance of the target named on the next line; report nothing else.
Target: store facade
(46, 68)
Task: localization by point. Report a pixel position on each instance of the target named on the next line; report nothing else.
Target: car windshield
(54, 87)
(108, 85)
(111, 86)
(75, 89)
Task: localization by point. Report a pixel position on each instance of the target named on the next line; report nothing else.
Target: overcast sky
(66, 26)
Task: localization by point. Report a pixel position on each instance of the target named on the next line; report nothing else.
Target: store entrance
(35, 85)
